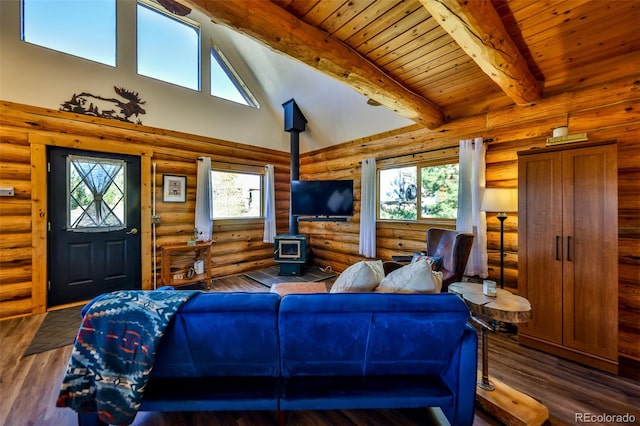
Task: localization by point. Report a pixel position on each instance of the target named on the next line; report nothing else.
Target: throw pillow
(415, 277)
(362, 276)
(434, 261)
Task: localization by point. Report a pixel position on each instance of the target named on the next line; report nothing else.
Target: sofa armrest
(461, 378)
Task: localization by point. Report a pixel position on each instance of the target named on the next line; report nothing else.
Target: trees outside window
(236, 195)
(400, 192)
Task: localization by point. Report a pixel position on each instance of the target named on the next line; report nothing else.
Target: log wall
(24, 134)
(605, 112)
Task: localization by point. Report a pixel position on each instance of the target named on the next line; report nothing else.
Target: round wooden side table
(505, 403)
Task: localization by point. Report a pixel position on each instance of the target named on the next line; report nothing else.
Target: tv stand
(322, 219)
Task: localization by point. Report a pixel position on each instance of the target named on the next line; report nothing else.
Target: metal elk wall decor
(114, 108)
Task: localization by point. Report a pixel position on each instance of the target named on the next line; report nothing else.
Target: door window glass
(95, 193)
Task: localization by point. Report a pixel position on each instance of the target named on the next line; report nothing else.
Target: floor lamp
(501, 201)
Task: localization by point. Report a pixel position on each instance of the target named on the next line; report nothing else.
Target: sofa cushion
(362, 276)
(417, 277)
(369, 333)
(222, 334)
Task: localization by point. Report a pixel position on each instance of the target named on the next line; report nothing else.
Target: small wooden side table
(505, 403)
(175, 254)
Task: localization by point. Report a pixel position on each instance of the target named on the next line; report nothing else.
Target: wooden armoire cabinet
(568, 251)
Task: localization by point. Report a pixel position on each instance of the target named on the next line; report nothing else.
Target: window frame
(23, 38)
(181, 19)
(241, 169)
(216, 54)
(429, 159)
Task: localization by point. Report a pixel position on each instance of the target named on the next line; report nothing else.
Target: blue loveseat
(256, 351)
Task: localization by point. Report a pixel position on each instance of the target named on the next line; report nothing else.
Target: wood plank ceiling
(437, 60)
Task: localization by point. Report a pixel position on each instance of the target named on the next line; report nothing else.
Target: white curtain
(368, 208)
(470, 190)
(204, 208)
(269, 204)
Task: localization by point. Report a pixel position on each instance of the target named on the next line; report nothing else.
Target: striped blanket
(114, 351)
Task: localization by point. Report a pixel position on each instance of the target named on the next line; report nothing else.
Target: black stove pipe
(294, 123)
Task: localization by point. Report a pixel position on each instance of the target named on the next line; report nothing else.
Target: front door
(94, 223)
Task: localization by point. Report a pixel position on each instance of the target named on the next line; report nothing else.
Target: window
(236, 195)
(439, 191)
(225, 81)
(95, 193)
(435, 192)
(398, 193)
(86, 29)
(168, 47)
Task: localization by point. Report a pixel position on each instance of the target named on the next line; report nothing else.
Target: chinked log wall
(605, 112)
(24, 133)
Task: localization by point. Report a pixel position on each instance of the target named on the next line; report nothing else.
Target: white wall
(38, 76)
(34, 75)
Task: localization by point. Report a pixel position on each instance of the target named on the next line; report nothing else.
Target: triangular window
(225, 81)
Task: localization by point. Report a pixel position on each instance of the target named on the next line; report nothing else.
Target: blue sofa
(256, 351)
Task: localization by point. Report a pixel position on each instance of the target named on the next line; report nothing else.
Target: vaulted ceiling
(432, 61)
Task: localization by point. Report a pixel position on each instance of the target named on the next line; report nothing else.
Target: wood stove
(291, 252)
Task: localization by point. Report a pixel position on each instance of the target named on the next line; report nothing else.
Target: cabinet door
(540, 243)
(590, 233)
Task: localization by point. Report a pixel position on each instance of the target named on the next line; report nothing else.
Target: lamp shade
(500, 200)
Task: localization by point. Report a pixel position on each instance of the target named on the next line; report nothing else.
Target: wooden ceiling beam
(477, 28)
(273, 26)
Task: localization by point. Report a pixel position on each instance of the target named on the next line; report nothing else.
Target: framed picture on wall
(174, 189)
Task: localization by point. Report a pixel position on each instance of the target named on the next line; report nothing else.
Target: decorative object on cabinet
(186, 264)
(501, 201)
(568, 252)
(560, 135)
(174, 189)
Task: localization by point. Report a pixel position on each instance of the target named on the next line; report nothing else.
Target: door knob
(133, 231)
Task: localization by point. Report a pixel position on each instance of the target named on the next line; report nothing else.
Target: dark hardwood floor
(29, 386)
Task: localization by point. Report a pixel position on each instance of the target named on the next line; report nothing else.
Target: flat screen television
(330, 198)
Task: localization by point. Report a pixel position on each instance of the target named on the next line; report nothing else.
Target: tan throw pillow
(362, 276)
(416, 277)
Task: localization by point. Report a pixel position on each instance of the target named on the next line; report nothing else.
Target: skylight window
(225, 81)
(86, 29)
(168, 47)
